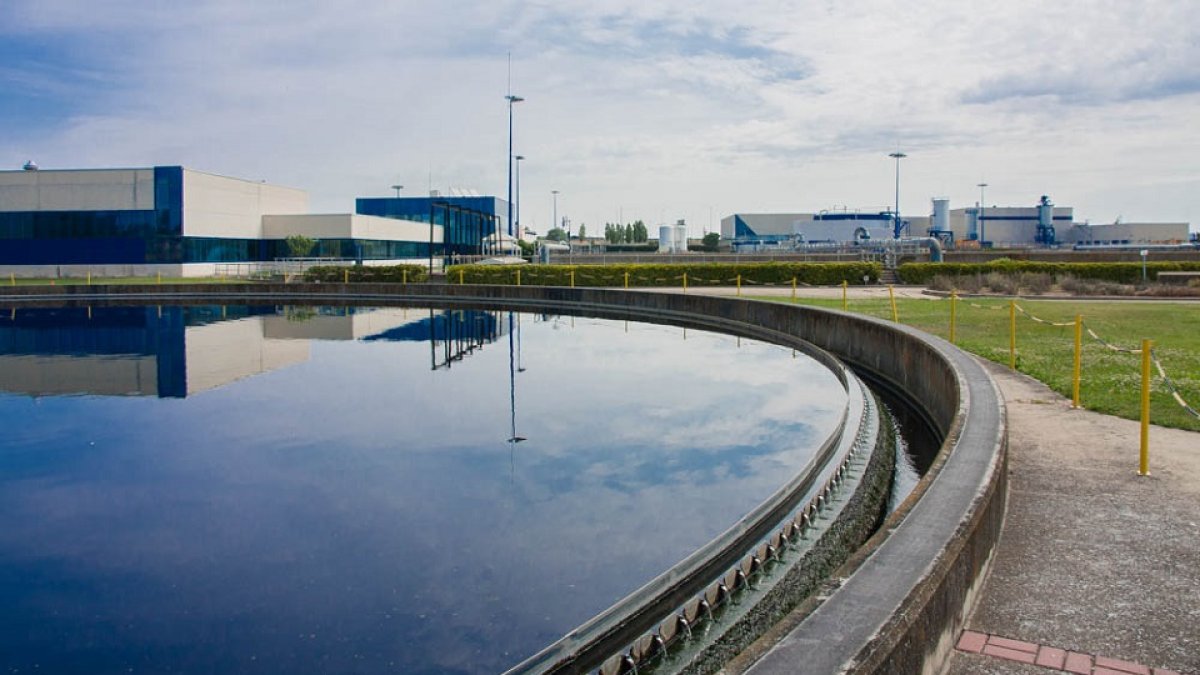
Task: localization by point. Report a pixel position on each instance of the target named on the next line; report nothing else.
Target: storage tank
(1045, 227)
(680, 237)
(666, 238)
(941, 214)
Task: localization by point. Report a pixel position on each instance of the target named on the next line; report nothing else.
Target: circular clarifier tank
(298, 489)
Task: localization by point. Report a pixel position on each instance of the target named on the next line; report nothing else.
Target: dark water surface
(200, 490)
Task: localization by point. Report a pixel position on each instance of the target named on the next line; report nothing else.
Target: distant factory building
(1041, 225)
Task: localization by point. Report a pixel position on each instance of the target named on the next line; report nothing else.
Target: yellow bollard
(462, 277)
(793, 289)
(89, 283)
(1012, 334)
(685, 289)
(1075, 374)
(739, 285)
(345, 276)
(572, 278)
(845, 302)
(627, 279)
(12, 279)
(160, 277)
(892, 297)
(1144, 464)
(953, 304)
(518, 277)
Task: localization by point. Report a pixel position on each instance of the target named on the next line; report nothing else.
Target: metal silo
(666, 238)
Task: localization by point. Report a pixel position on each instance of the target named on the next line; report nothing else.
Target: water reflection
(344, 496)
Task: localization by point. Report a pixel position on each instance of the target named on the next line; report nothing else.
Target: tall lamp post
(554, 223)
(397, 188)
(511, 100)
(982, 238)
(518, 159)
(896, 228)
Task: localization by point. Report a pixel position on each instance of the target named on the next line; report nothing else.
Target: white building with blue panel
(179, 222)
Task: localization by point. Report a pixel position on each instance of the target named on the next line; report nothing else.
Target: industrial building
(181, 222)
(1041, 225)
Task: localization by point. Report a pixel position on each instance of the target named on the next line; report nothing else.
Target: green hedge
(364, 274)
(653, 274)
(1122, 273)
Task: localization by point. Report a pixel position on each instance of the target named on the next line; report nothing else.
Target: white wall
(217, 206)
(347, 226)
(77, 190)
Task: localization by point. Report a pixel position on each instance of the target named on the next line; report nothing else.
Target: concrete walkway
(1097, 569)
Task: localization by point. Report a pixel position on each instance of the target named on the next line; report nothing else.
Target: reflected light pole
(898, 156)
(511, 100)
(397, 188)
(982, 239)
(518, 159)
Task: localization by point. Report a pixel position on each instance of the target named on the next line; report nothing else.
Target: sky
(656, 111)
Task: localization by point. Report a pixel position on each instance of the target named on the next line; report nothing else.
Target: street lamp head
(519, 157)
(898, 155)
(512, 98)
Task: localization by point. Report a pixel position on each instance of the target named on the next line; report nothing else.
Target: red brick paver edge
(973, 642)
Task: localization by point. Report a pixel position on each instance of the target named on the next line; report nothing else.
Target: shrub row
(653, 274)
(364, 274)
(1122, 273)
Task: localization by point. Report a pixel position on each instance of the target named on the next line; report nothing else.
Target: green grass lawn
(1110, 382)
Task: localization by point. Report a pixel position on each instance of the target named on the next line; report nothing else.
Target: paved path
(1097, 569)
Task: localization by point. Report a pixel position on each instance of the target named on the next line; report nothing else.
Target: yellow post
(845, 303)
(345, 276)
(1012, 334)
(462, 277)
(1144, 464)
(518, 276)
(892, 297)
(12, 279)
(953, 313)
(89, 283)
(1075, 375)
(626, 279)
(685, 286)
(793, 289)
(572, 278)
(160, 277)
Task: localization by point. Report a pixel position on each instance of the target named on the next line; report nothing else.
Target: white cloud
(651, 110)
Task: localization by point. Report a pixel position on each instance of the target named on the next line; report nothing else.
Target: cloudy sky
(655, 110)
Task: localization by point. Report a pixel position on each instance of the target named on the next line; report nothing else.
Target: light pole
(518, 158)
(979, 214)
(397, 188)
(896, 228)
(511, 100)
(554, 222)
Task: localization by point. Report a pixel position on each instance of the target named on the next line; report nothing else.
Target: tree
(582, 231)
(299, 246)
(628, 233)
(639, 233)
(557, 234)
(711, 241)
